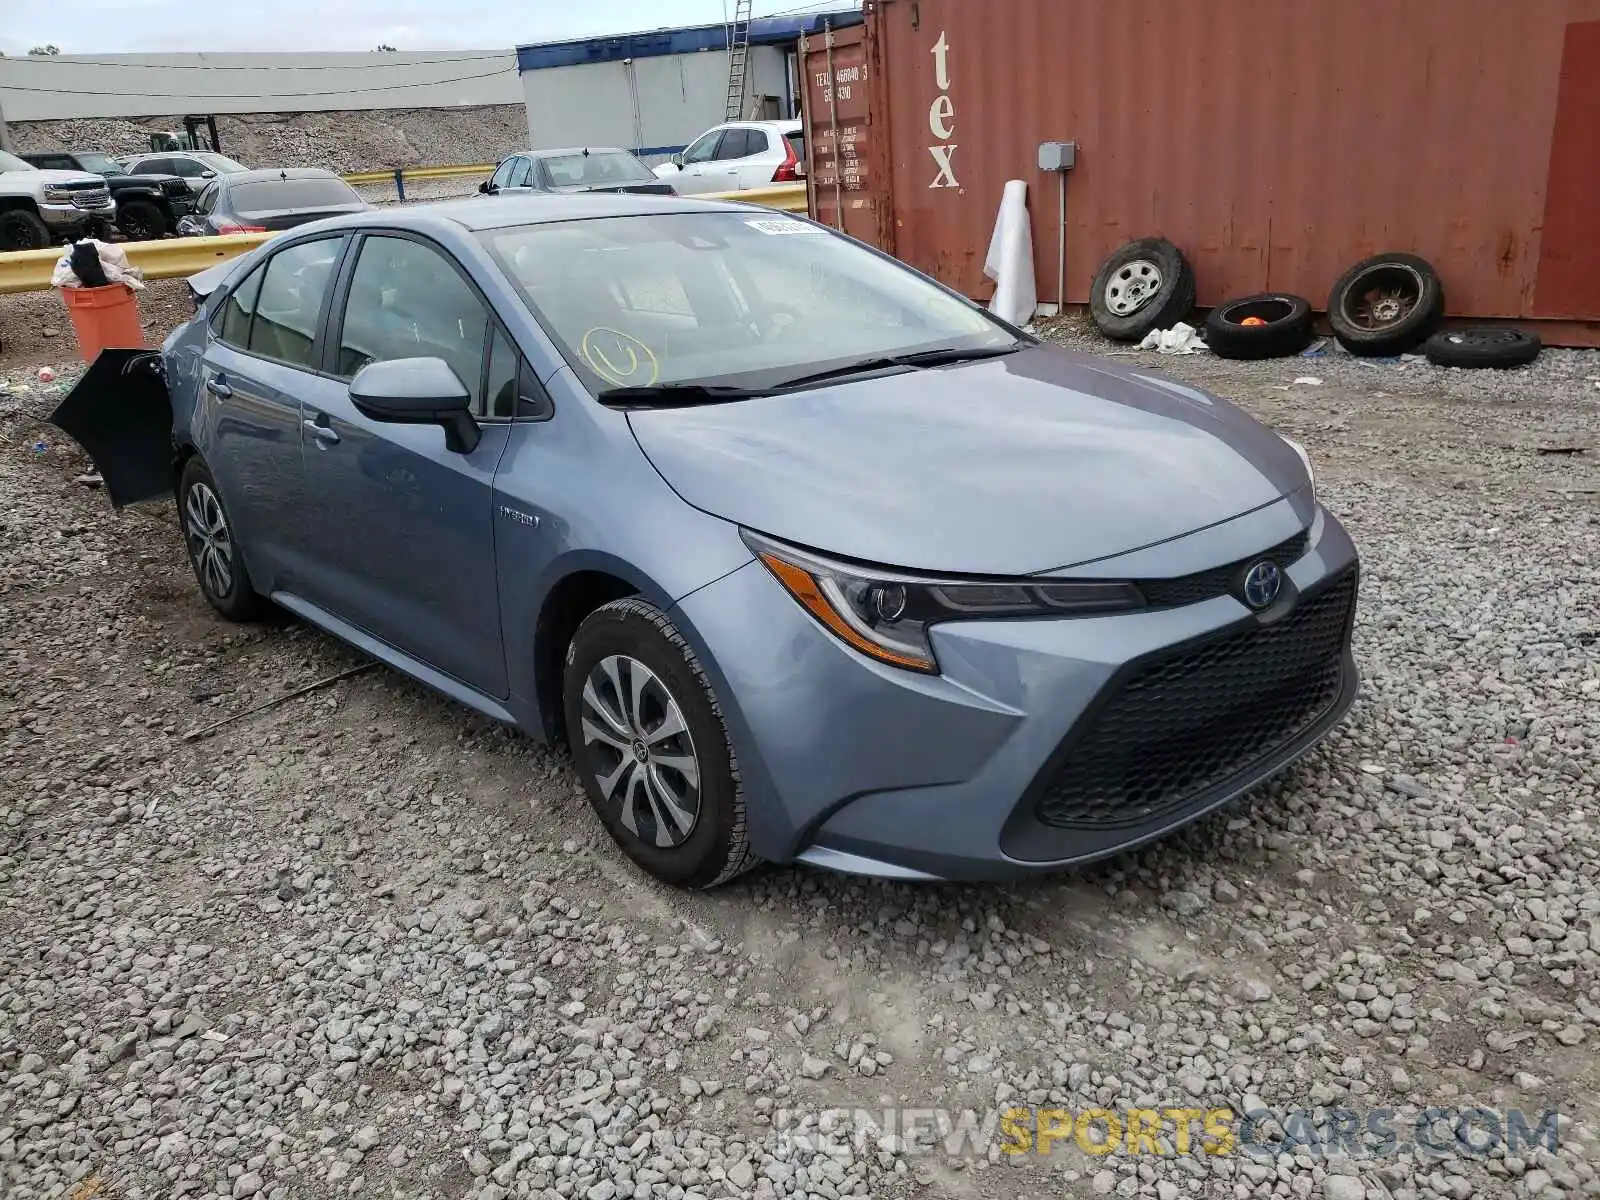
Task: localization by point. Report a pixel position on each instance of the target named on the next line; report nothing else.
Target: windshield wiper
(919, 358)
(676, 395)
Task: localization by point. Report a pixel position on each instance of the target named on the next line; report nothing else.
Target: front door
(403, 528)
(702, 172)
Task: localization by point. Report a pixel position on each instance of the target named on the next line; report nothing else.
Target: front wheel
(141, 221)
(213, 551)
(651, 747)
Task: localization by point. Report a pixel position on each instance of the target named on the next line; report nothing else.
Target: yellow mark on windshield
(620, 358)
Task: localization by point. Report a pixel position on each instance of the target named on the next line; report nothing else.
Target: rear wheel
(22, 230)
(213, 550)
(141, 221)
(651, 747)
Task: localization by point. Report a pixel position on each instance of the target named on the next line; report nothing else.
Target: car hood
(1031, 462)
(76, 178)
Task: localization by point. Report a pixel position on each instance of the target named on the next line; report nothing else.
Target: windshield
(219, 163)
(10, 162)
(598, 168)
(292, 193)
(101, 164)
(733, 298)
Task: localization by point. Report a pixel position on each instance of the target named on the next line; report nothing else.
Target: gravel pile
(365, 943)
(335, 141)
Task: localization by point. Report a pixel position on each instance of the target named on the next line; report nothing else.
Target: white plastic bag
(1180, 339)
(113, 261)
(1010, 259)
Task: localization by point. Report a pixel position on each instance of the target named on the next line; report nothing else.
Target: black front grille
(1219, 581)
(1183, 724)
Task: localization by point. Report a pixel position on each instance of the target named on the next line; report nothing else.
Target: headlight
(1311, 472)
(57, 195)
(887, 615)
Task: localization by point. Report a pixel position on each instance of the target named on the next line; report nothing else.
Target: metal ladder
(738, 55)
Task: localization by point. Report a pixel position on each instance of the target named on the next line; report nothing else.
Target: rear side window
(237, 310)
(407, 301)
(735, 144)
(290, 301)
(151, 166)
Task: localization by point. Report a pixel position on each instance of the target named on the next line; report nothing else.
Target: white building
(655, 92)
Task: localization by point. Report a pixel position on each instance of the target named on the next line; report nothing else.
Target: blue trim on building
(764, 31)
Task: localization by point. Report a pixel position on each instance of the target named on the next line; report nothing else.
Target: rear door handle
(323, 432)
(218, 386)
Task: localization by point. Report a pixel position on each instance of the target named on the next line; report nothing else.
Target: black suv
(148, 206)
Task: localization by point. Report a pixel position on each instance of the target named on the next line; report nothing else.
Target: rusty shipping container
(1275, 143)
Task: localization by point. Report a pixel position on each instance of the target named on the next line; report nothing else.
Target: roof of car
(500, 212)
(548, 153)
(275, 174)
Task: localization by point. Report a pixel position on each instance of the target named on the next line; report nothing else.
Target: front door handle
(218, 387)
(323, 432)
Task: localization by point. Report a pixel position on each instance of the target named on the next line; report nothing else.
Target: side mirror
(418, 391)
(484, 187)
(677, 161)
(208, 174)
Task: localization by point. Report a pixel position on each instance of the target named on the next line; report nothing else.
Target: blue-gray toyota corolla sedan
(802, 555)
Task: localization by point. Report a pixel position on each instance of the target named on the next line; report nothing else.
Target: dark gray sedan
(268, 201)
(584, 169)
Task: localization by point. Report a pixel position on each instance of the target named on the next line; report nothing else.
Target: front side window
(290, 302)
(188, 168)
(738, 298)
(407, 301)
(502, 174)
(704, 148)
(207, 199)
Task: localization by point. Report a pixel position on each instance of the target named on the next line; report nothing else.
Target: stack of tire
(1386, 305)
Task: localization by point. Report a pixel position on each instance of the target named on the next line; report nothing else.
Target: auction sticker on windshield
(777, 226)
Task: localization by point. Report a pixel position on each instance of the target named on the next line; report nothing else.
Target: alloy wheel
(640, 751)
(210, 540)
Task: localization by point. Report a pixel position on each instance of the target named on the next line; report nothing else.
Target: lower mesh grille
(1183, 724)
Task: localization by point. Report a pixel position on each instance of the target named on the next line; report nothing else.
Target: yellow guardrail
(397, 175)
(176, 258)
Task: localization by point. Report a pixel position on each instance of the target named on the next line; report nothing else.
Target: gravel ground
(365, 943)
(338, 141)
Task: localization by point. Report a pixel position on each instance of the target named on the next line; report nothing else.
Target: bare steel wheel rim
(210, 540)
(1132, 286)
(1387, 296)
(640, 751)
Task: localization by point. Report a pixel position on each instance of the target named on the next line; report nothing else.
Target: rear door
(754, 168)
(401, 527)
(263, 353)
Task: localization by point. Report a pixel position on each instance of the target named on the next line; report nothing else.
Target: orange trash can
(104, 318)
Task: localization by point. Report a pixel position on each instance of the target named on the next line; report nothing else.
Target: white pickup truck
(43, 208)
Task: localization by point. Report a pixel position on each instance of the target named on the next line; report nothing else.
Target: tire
(141, 221)
(1287, 329)
(610, 740)
(221, 573)
(1482, 347)
(1386, 305)
(1148, 284)
(22, 230)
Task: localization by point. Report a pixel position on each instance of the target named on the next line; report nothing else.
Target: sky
(111, 26)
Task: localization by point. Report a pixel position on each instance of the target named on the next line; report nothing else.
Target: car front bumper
(71, 216)
(1043, 743)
